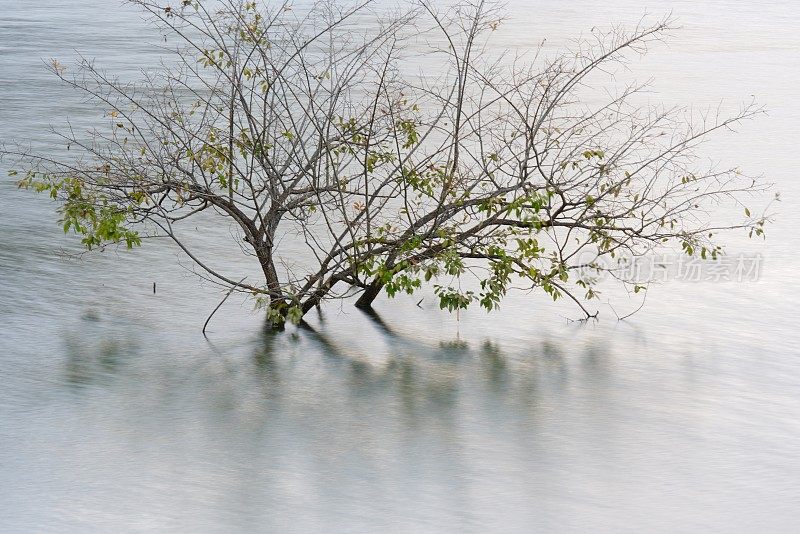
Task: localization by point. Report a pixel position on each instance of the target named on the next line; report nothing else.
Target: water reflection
(92, 356)
(309, 365)
(349, 420)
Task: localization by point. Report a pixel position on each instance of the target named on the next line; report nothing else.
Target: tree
(311, 123)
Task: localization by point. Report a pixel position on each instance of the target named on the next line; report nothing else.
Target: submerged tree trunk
(271, 278)
(369, 295)
(316, 297)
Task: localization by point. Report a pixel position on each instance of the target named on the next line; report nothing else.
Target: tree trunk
(316, 297)
(369, 295)
(270, 274)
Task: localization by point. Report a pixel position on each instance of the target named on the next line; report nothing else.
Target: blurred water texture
(117, 415)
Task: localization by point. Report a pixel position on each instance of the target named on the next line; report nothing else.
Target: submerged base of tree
(368, 296)
(289, 123)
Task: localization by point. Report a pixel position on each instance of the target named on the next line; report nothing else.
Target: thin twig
(228, 294)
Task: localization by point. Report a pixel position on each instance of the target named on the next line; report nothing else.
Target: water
(117, 415)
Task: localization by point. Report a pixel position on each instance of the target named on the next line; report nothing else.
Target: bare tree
(311, 123)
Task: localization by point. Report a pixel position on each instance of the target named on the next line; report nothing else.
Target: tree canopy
(399, 148)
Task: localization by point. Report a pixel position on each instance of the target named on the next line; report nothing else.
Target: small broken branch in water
(228, 294)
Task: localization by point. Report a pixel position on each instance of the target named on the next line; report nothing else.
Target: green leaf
(294, 314)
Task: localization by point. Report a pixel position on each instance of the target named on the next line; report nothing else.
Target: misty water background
(116, 414)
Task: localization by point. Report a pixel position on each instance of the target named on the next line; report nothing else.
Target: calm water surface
(117, 415)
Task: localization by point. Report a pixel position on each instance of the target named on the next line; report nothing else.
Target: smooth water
(117, 415)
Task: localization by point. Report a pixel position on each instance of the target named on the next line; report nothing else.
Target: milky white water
(117, 415)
